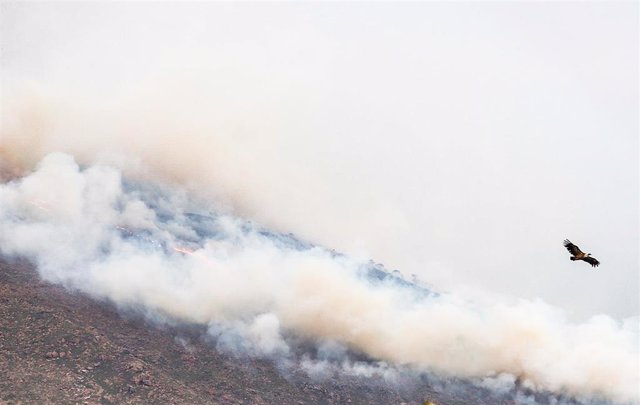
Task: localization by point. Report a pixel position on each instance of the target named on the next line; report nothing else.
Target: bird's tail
(572, 258)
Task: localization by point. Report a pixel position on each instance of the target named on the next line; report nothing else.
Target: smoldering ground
(156, 249)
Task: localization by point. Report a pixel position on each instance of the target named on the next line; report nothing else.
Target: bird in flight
(577, 254)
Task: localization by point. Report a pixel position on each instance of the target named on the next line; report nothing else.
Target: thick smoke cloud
(156, 249)
(399, 132)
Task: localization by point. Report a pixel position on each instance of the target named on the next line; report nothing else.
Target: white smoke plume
(248, 166)
(396, 132)
(155, 248)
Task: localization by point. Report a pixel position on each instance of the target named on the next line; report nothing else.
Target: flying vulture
(577, 254)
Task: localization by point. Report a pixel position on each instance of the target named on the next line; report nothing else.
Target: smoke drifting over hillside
(154, 248)
(141, 143)
(397, 132)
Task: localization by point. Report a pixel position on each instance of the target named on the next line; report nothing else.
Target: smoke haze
(143, 248)
(398, 132)
(458, 142)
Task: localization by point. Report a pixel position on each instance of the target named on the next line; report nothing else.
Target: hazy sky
(458, 141)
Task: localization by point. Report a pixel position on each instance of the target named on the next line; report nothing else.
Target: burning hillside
(267, 298)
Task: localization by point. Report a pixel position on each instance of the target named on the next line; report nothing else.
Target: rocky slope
(59, 346)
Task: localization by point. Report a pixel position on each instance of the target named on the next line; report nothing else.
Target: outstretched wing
(592, 261)
(573, 249)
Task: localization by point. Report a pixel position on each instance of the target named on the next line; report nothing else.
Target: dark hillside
(60, 347)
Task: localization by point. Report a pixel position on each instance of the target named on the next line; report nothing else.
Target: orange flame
(191, 252)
